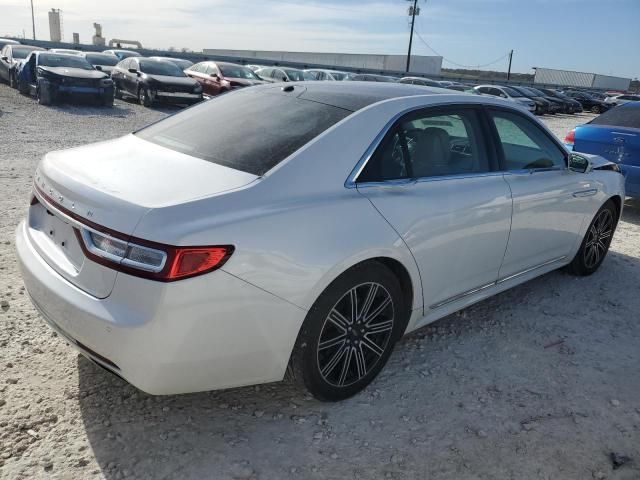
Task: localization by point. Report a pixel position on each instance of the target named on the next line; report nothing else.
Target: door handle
(585, 193)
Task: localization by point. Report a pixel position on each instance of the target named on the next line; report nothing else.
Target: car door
(433, 179)
(213, 79)
(550, 203)
(129, 79)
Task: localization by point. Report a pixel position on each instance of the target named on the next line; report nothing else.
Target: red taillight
(188, 262)
(570, 138)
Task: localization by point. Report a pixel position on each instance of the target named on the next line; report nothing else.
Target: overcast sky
(585, 35)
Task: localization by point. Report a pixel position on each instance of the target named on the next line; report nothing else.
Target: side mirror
(5, 58)
(133, 70)
(578, 163)
(216, 76)
(98, 67)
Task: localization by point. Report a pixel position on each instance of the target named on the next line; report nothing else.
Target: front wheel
(12, 80)
(144, 98)
(596, 109)
(596, 242)
(44, 94)
(349, 332)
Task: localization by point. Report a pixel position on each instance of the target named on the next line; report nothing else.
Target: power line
(456, 63)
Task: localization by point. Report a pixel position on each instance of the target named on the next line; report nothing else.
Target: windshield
(182, 64)
(230, 130)
(22, 52)
(512, 92)
(70, 61)
(339, 75)
(536, 92)
(237, 71)
(100, 59)
(160, 67)
(295, 75)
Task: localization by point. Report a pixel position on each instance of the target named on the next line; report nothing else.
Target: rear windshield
(160, 67)
(182, 64)
(231, 130)
(295, 75)
(102, 59)
(619, 117)
(63, 60)
(22, 52)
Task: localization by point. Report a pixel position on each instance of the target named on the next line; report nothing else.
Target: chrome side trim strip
(585, 193)
(548, 262)
(462, 295)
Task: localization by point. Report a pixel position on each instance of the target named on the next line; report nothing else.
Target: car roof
(354, 96)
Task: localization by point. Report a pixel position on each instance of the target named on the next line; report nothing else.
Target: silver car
(508, 94)
(302, 228)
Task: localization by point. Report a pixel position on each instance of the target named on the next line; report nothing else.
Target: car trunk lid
(109, 187)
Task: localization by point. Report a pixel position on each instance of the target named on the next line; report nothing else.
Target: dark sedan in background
(50, 76)
(573, 105)
(151, 81)
(542, 105)
(221, 77)
(588, 102)
(101, 61)
(614, 135)
(10, 57)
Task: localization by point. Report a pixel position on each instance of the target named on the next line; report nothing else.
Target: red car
(220, 77)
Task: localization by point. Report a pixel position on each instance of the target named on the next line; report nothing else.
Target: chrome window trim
(352, 179)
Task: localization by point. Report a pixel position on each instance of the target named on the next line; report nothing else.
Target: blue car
(614, 135)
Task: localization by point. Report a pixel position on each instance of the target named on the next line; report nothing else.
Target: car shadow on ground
(158, 107)
(89, 108)
(277, 428)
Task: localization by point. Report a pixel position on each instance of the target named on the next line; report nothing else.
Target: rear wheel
(117, 93)
(596, 109)
(596, 242)
(12, 80)
(349, 332)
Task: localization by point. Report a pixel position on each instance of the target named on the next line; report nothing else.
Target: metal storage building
(429, 65)
(550, 76)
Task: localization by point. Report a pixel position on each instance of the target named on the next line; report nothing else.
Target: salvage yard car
(101, 61)
(221, 77)
(215, 249)
(10, 57)
(50, 76)
(615, 135)
(151, 81)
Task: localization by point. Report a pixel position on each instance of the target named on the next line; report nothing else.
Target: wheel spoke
(380, 327)
(361, 364)
(371, 295)
(353, 298)
(377, 311)
(371, 345)
(335, 360)
(345, 366)
(332, 342)
(605, 234)
(338, 320)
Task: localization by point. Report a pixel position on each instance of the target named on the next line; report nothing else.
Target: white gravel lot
(541, 382)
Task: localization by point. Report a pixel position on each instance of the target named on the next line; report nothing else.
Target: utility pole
(413, 11)
(509, 71)
(33, 21)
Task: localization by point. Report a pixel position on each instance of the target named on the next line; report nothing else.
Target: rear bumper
(632, 180)
(205, 333)
(171, 97)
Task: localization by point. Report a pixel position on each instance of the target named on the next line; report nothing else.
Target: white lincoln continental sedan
(301, 230)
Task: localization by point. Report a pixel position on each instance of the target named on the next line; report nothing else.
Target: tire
(143, 97)
(106, 101)
(596, 242)
(22, 88)
(117, 93)
(596, 109)
(12, 80)
(339, 352)
(44, 94)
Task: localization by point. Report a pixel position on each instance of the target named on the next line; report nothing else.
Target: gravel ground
(541, 382)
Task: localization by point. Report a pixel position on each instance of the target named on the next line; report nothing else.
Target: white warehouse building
(427, 65)
(551, 76)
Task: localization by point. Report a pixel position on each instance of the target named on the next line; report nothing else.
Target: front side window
(525, 146)
(429, 145)
(64, 60)
(160, 67)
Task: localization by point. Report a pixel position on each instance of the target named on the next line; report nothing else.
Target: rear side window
(230, 130)
(429, 144)
(625, 116)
